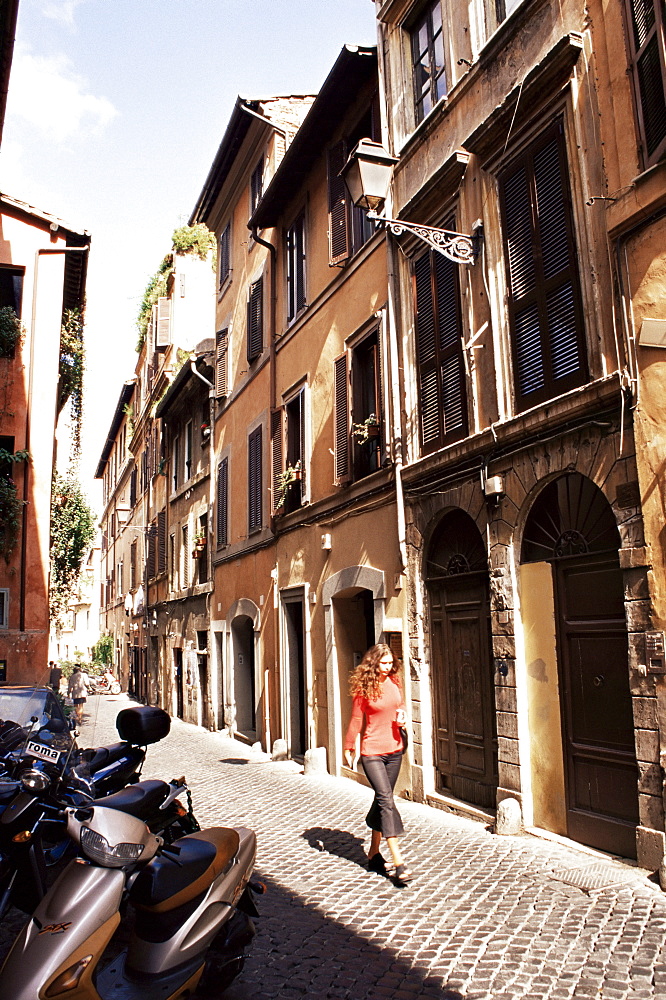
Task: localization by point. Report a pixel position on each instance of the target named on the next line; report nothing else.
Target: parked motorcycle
(192, 902)
(43, 781)
(104, 683)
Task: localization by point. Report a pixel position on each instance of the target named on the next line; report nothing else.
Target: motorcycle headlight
(35, 781)
(98, 849)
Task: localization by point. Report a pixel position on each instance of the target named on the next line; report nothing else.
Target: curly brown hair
(364, 681)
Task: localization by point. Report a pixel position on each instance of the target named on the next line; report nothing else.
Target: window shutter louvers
(163, 326)
(341, 419)
(254, 481)
(338, 216)
(276, 456)
(221, 363)
(222, 526)
(225, 253)
(255, 320)
(161, 541)
(646, 40)
(544, 300)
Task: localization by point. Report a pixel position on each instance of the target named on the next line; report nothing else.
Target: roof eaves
(125, 396)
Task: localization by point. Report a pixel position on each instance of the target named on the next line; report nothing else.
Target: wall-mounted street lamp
(367, 174)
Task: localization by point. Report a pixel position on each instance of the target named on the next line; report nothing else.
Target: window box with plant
(200, 542)
(205, 433)
(367, 430)
(283, 481)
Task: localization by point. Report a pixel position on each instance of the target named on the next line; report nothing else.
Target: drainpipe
(272, 393)
(24, 542)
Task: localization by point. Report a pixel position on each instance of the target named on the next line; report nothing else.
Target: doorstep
(449, 803)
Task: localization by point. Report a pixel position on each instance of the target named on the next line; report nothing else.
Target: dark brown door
(600, 760)
(465, 732)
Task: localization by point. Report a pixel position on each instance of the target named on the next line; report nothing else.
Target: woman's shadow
(338, 842)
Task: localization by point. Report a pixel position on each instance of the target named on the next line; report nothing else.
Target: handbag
(405, 737)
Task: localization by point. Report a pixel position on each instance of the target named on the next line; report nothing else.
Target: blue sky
(116, 109)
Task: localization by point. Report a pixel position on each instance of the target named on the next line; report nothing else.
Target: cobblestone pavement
(488, 918)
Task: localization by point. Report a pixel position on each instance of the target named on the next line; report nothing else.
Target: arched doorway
(465, 736)
(242, 638)
(571, 527)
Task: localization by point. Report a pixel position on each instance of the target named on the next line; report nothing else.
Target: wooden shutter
(222, 511)
(254, 481)
(163, 325)
(255, 320)
(277, 419)
(545, 313)
(341, 419)
(225, 253)
(441, 370)
(152, 552)
(221, 363)
(645, 32)
(339, 236)
(161, 541)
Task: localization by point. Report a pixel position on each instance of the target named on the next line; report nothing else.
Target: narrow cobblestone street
(488, 917)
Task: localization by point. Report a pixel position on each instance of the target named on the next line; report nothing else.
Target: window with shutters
(428, 67)
(255, 320)
(358, 417)
(202, 551)
(288, 454)
(224, 255)
(4, 607)
(296, 267)
(185, 557)
(163, 325)
(254, 481)
(189, 450)
(133, 479)
(172, 562)
(439, 352)
(133, 566)
(646, 38)
(349, 228)
(161, 541)
(222, 504)
(222, 363)
(544, 305)
(175, 462)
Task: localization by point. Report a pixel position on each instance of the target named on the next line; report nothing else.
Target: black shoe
(377, 864)
(402, 874)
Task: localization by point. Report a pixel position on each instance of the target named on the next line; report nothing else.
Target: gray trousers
(382, 772)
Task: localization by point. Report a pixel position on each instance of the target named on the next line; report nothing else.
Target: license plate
(44, 753)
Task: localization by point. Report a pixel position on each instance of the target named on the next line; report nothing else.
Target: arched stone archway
(241, 684)
(464, 726)
(584, 770)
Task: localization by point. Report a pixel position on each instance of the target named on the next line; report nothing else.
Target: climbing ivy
(11, 506)
(10, 331)
(102, 651)
(72, 364)
(198, 241)
(72, 531)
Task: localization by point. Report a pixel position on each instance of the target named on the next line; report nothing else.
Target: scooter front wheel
(115, 688)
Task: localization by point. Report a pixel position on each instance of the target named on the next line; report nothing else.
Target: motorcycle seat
(171, 881)
(101, 756)
(138, 800)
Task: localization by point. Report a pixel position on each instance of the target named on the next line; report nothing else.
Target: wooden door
(465, 730)
(600, 759)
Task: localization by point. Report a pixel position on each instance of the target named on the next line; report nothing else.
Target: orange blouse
(381, 734)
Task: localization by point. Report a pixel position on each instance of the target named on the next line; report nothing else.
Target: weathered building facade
(43, 265)
(535, 561)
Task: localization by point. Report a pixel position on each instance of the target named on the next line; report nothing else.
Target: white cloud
(47, 93)
(61, 10)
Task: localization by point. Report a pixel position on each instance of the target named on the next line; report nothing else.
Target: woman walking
(77, 690)
(378, 702)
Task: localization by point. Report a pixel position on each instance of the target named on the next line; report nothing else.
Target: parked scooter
(192, 902)
(33, 838)
(104, 683)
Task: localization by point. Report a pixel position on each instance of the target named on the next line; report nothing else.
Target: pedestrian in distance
(378, 709)
(77, 690)
(55, 674)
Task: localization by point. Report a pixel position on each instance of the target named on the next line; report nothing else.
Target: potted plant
(292, 474)
(199, 544)
(205, 433)
(367, 430)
